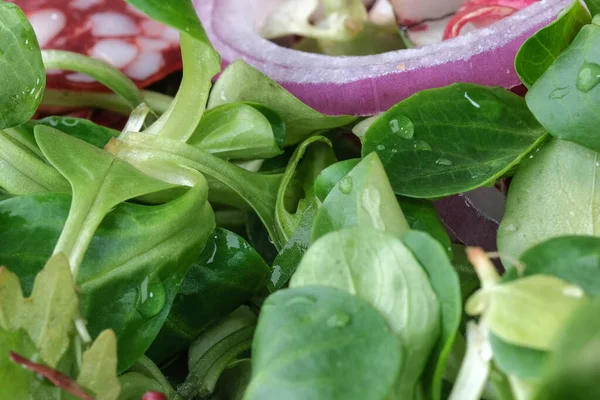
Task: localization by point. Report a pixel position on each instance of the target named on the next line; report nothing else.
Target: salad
(225, 240)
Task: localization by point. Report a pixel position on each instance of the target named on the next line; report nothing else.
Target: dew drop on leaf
(402, 126)
(151, 297)
(301, 299)
(421, 145)
(340, 319)
(444, 162)
(588, 77)
(346, 185)
(380, 147)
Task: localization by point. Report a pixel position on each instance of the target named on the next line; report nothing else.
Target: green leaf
(565, 98)
(332, 175)
(241, 82)
(227, 273)
(236, 131)
(380, 269)
(444, 281)
(234, 381)
(23, 172)
(180, 14)
(451, 140)
(540, 51)
(145, 376)
(553, 194)
(522, 362)
(86, 130)
(309, 159)
(137, 250)
(528, 312)
(363, 198)
(311, 343)
(48, 314)
(421, 215)
(22, 71)
(99, 367)
(593, 6)
(100, 182)
(575, 364)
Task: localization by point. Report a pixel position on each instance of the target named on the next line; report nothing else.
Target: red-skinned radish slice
(481, 13)
(367, 85)
(110, 30)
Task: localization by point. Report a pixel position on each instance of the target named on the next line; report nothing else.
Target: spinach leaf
(444, 281)
(309, 159)
(236, 131)
(575, 259)
(522, 362)
(593, 6)
(133, 267)
(574, 366)
(380, 269)
(311, 343)
(332, 175)
(22, 71)
(363, 198)
(451, 140)
(241, 82)
(540, 51)
(421, 215)
(552, 194)
(226, 274)
(565, 98)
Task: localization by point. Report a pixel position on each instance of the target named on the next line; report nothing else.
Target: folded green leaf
(241, 82)
(311, 342)
(552, 194)
(380, 269)
(453, 139)
(540, 51)
(564, 100)
(22, 71)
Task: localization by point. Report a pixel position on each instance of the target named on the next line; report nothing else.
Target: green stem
(97, 69)
(200, 65)
(158, 102)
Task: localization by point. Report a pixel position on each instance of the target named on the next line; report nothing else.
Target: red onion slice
(370, 84)
(473, 218)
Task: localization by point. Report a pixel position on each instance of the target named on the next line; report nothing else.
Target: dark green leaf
(540, 51)
(593, 6)
(241, 82)
(451, 140)
(22, 71)
(234, 381)
(331, 176)
(444, 281)
(236, 131)
(565, 98)
(552, 194)
(83, 129)
(226, 274)
(421, 215)
(363, 198)
(311, 343)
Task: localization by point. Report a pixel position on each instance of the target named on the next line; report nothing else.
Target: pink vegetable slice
(367, 85)
(110, 30)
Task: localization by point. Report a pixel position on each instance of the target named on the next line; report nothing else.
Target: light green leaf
(22, 72)
(380, 269)
(99, 367)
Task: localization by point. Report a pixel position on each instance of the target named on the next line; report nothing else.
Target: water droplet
(53, 121)
(380, 147)
(421, 145)
(402, 126)
(558, 93)
(394, 150)
(340, 319)
(346, 185)
(301, 299)
(510, 228)
(69, 122)
(475, 104)
(151, 297)
(589, 77)
(443, 161)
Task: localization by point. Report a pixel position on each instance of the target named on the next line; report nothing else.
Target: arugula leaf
(564, 99)
(226, 274)
(22, 71)
(311, 343)
(363, 198)
(236, 131)
(450, 140)
(241, 82)
(380, 269)
(541, 50)
(444, 281)
(552, 194)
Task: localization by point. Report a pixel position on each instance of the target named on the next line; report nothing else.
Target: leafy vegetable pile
(233, 243)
